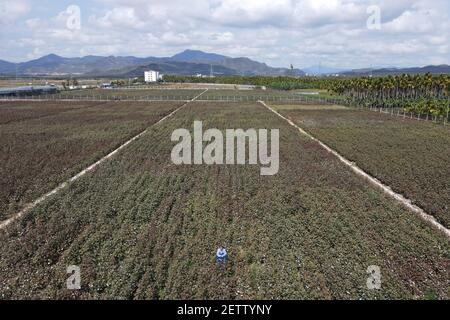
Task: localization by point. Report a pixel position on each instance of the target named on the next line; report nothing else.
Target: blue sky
(278, 32)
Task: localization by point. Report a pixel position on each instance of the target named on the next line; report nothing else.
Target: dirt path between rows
(373, 181)
(63, 185)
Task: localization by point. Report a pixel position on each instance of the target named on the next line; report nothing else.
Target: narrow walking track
(33, 204)
(374, 181)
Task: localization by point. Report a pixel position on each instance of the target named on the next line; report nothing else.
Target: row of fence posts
(392, 111)
(168, 97)
(400, 112)
(164, 98)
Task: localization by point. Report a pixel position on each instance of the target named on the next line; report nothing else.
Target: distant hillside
(197, 56)
(188, 62)
(441, 69)
(7, 67)
(53, 64)
(241, 66)
(245, 66)
(168, 67)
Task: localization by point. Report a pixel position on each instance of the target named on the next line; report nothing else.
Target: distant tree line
(69, 83)
(280, 83)
(414, 93)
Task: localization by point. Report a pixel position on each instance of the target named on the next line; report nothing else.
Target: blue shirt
(221, 253)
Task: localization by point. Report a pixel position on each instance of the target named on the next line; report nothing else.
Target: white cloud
(10, 11)
(222, 38)
(412, 21)
(245, 13)
(279, 32)
(34, 23)
(121, 17)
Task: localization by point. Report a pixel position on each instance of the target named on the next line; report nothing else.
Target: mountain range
(188, 62)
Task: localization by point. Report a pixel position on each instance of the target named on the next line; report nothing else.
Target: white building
(152, 76)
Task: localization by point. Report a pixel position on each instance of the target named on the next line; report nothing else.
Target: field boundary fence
(218, 98)
(58, 97)
(393, 111)
(398, 112)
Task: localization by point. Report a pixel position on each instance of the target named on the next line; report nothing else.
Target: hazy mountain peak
(50, 57)
(197, 55)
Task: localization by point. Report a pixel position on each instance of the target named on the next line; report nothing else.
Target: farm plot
(265, 95)
(311, 106)
(18, 111)
(256, 94)
(132, 94)
(141, 227)
(410, 156)
(38, 154)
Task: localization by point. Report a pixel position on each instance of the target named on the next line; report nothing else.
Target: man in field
(221, 255)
